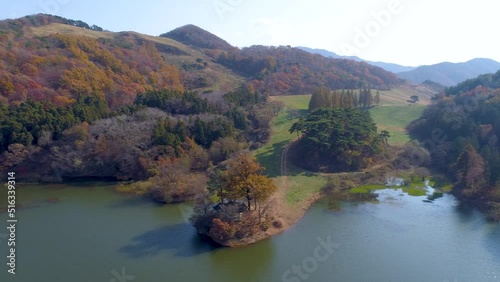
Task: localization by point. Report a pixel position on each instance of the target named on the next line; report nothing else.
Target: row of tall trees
(324, 98)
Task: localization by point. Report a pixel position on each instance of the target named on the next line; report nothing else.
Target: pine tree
(369, 97)
(377, 98)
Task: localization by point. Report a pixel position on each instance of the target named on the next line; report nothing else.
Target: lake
(86, 232)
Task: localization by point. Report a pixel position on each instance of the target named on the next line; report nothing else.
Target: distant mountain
(395, 68)
(449, 74)
(194, 36)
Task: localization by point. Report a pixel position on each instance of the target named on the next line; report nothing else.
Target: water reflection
(178, 239)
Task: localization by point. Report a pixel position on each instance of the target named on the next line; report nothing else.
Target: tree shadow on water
(181, 239)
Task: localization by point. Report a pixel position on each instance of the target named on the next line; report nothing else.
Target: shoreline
(288, 216)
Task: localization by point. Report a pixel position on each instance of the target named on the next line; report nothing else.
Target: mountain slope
(285, 70)
(44, 57)
(449, 74)
(468, 118)
(395, 68)
(195, 36)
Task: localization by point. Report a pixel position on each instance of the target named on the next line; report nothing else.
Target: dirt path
(284, 161)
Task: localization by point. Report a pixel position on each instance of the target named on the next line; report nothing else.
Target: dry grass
(70, 30)
(223, 78)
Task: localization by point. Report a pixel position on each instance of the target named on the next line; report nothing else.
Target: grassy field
(395, 119)
(300, 184)
(221, 78)
(400, 97)
(393, 115)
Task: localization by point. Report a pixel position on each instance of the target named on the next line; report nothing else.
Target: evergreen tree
(377, 98)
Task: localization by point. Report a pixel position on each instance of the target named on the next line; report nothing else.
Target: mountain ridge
(449, 74)
(395, 68)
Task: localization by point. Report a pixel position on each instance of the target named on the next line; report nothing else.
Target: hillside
(195, 36)
(46, 57)
(49, 58)
(449, 74)
(461, 131)
(286, 70)
(395, 68)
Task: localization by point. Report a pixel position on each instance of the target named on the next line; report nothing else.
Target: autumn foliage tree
(226, 215)
(245, 181)
(464, 123)
(470, 168)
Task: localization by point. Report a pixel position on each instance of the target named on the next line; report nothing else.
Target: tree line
(324, 98)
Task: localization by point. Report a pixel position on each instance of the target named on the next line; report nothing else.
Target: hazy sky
(408, 32)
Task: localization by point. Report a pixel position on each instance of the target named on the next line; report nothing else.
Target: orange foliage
(59, 67)
(62, 101)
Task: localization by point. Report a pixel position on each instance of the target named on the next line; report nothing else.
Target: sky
(406, 32)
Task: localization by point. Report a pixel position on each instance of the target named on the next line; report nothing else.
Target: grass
(300, 184)
(415, 191)
(296, 102)
(223, 78)
(53, 28)
(400, 97)
(447, 188)
(395, 119)
(270, 154)
(393, 115)
(136, 188)
(365, 189)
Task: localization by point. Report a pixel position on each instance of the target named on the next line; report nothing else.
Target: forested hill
(195, 36)
(461, 130)
(284, 70)
(45, 57)
(278, 70)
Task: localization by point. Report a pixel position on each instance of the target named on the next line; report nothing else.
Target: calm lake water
(86, 232)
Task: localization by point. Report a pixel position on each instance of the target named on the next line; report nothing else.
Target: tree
(377, 97)
(385, 135)
(414, 98)
(321, 98)
(221, 231)
(337, 139)
(470, 171)
(244, 180)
